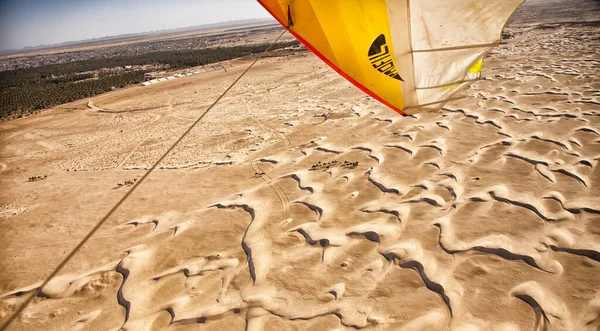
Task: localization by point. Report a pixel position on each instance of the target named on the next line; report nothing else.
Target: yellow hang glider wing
(408, 54)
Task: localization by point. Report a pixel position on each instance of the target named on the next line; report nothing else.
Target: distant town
(199, 40)
(34, 80)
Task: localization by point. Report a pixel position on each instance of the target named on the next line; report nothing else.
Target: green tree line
(25, 90)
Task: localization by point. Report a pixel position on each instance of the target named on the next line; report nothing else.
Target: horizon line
(43, 46)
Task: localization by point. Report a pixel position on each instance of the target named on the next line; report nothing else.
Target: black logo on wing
(381, 58)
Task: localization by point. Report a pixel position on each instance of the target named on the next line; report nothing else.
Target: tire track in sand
(283, 197)
(126, 158)
(266, 127)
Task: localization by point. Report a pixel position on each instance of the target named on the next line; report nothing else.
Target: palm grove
(23, 91)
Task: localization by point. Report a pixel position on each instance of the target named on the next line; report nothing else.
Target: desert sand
(299, 203)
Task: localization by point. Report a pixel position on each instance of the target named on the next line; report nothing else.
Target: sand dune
(301, 204)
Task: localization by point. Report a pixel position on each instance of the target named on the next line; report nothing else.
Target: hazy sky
(42, 22)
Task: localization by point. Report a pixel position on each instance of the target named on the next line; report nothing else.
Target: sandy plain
(299, 203)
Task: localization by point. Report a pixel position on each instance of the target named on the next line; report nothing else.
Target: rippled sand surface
(301, 204)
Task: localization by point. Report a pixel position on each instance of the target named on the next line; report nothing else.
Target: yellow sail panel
(412, 55)
(277, 8)
(476, 68)
(304, 12)
(352, 36)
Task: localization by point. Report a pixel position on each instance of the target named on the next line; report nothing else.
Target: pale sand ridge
(301, 204)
